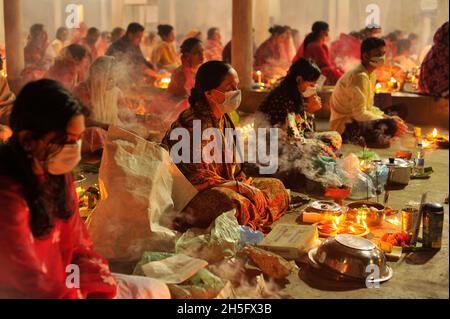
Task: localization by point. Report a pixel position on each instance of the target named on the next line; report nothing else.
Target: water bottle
(420, 160)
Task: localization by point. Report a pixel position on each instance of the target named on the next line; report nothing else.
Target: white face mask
(378, 62)
(232, 101)
(65, 160)
(309, 92)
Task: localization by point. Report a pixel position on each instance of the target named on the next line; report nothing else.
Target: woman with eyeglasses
(45, 249)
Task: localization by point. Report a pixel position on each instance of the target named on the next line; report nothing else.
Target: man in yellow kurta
(353, 113)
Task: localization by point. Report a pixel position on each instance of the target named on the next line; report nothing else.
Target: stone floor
(416, 275)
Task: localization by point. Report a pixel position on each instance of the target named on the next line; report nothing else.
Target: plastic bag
(360, 183)
(141, 190)
(220, 241)
(250, 236)
(203, 285)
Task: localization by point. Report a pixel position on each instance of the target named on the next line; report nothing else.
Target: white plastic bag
(141, 189)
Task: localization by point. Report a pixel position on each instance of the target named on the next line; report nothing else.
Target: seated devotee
(165, 55)
(61, 41)
(288, 49)
(183, 78)
(6, 98)
(353, 113)
(105, 103)
(314, 47)
(38, 53)
(104, 43)
(434, 70)
(403, 58)
(128, 54)
(221, 183)
(42, 233)
(344, 52)
(414, 40)
(296, 38)
(296, 96)
(213, 46)
(78, 34)
(70, 67)
(90, 44)
(117, 33)
(268, 57)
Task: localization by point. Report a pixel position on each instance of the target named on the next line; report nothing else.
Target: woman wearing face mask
(314, 47)
(353, 113)
(291, 107)
(43, 239)
(268, 57)
(165, 55)
(294, 101)
(223, 186)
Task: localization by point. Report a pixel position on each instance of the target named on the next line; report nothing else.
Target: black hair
(188, 45)
(392, 37)
(357, 34)
(164, 30)
(403, 45)
(41, 107)
(60, 31)
(316, 29)
(307, 69)
(78, 52)
(211, 32)
(117, 33)
(209, 76)
(93, 31)
(278, 29)
(134, 28)
(370, 44)
(36, 30)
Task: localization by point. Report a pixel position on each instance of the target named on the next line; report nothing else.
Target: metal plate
(355, 242)
(326, 206)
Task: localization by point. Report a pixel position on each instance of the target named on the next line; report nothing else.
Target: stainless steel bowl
(352, 257)
(375, 213)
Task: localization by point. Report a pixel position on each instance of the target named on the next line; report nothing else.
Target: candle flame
(378, 86)
(258, 73)
(393, 80)
(337, 220)
(352, 229)
(435, 133)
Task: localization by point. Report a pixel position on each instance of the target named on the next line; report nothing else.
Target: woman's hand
(313, 104)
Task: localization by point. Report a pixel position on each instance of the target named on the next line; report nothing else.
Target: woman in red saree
(45, 249)
(39, 54)
(434, 69)
(314, 47)
(222, 184)
(269, 56)
(70, 68)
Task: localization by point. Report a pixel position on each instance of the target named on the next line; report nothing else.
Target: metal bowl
(353, 257)
(374, 217)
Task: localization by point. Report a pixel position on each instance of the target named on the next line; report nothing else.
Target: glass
(410, 215)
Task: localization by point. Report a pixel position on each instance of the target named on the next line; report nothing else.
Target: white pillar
(117, 13)
(262, 19)
(57, 14)
(13, 42)
(104, 14)
(242, 45)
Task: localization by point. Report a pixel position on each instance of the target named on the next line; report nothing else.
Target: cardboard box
(291, 241)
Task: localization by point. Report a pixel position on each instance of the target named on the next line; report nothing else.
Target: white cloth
(135, 287)
(353, 99)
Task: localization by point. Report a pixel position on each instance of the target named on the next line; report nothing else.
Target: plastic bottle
(420, 159)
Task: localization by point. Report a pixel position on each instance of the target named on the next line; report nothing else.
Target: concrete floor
(416, 275)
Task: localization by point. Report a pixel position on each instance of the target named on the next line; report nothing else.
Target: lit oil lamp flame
(394, 221)
(336, 220)
(435, 133)
(393, 80)
(352, 229)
